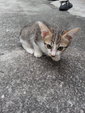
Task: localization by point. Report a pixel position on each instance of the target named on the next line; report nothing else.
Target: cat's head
(56, 43)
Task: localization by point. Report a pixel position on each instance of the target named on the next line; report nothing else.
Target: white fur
(37, 51)
(37, 54)
(42, 47)
(58, 53)
(39, 22)
(26, 46)
(57, 56)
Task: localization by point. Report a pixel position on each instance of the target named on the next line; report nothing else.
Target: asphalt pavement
(39, 85)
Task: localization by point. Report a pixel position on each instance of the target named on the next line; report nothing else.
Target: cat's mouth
(55, 58)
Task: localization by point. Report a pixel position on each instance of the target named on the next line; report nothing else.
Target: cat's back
(32, 29)
(27, 30)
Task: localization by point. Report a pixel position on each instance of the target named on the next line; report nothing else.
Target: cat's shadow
(61, 68)
(55, 65)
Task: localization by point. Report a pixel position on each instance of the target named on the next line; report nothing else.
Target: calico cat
(40, 38)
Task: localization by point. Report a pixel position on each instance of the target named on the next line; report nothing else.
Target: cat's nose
(53, 55)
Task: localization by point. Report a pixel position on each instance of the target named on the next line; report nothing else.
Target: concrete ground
(39, 85)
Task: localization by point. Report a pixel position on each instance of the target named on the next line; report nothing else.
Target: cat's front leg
(37, 51)
(37, 54)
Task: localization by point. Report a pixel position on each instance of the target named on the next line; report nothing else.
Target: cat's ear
(45, 31)
(44, 34)
(71, 33)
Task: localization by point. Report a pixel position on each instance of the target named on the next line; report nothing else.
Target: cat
(40, 38)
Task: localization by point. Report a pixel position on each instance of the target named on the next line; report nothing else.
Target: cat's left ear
(44, 33)
(71, 33)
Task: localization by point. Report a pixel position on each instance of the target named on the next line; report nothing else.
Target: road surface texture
(39, 85)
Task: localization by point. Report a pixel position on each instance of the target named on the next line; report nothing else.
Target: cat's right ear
(44, 34)
(45, 31)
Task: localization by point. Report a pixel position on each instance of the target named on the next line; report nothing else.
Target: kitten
(40, 38)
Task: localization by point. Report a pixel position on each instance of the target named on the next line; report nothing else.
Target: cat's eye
(60, 48)
(49, 46)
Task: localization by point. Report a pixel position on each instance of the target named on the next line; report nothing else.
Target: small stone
(61, 84)
(70, 103)
(7, 30)
(24, 92)
(2, 96)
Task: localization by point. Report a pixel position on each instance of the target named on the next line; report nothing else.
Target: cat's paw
(31, 51)
(37, 54)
